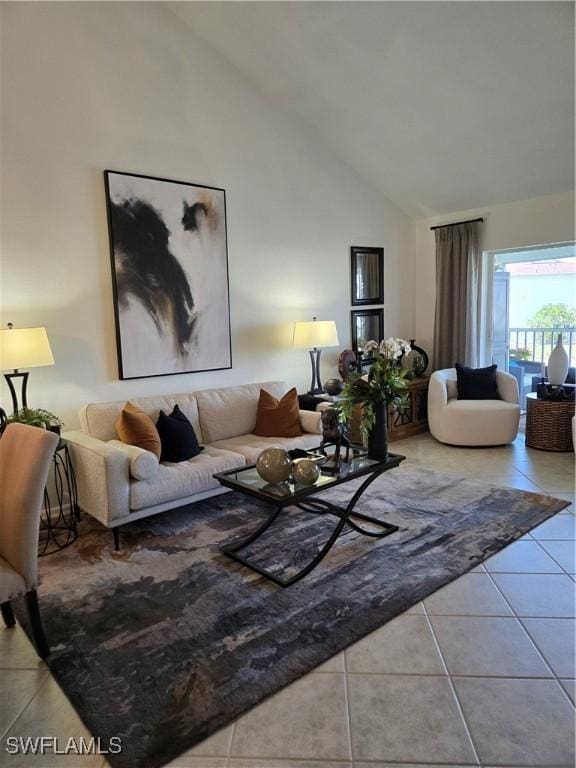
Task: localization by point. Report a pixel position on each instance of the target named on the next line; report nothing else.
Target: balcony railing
(533, 345)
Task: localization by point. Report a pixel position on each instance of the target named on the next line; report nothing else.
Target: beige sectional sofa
(118, 483)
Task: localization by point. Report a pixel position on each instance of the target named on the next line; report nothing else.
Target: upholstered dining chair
(25, 456)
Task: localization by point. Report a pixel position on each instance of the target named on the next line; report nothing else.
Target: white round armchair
(472, 422)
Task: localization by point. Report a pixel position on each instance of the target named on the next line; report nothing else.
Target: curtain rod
(455, 223)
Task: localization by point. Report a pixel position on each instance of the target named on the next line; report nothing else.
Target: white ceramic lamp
(315, 335)
(23, 348)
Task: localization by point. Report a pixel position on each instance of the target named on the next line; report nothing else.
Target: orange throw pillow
(135, 427)
(278, 418)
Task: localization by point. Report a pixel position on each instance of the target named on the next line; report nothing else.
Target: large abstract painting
(170, 275)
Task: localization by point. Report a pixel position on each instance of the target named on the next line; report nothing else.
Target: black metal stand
(318, 507)
(316, 385)
(60, 515)
(23, 391)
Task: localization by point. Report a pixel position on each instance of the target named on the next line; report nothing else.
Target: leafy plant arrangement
(385, 383)
(36, 417)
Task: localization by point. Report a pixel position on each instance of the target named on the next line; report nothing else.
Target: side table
(61, 511)
(549, 423)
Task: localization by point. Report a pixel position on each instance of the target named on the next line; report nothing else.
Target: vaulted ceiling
(442, 106)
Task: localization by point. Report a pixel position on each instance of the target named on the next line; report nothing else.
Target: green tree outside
(553, 316)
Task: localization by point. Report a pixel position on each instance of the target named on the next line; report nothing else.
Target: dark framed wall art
(366, 276)
(367, 325)
(169, 254)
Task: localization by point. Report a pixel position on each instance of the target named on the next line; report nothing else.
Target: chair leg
(40, 642)
(116, 533)
(7, 614)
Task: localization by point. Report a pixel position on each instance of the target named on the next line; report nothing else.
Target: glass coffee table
(305, 497)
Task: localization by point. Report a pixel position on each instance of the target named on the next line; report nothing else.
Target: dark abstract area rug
(168, 640)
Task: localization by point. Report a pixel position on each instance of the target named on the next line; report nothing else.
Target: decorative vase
(558, 364)
(333, 386)
(416, 361)
(378, 437)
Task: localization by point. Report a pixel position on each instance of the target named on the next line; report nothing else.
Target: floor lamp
(314, 335)
(22, 348)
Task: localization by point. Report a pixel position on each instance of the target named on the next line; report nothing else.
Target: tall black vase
(378, 437)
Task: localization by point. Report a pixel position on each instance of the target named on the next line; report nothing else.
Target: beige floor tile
(564, 552)
(406, 718)
(51, 714)
(216, 745)
(473, 594)
(306, 720)
(188, 761)
(418, 608)
(252, 763)
(487, 646)
(570, 688)
(550, 478)
(556, 640)
(404, 765)
(522, 557)
(404, 645)
(17, 689)
(335, 664)
(559, 527)
(518, 722)
(546, 595)
(16, 651)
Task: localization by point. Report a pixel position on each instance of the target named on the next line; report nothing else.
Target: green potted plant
(384, 386)
(37, 417)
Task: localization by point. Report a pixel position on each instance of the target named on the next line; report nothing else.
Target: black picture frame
(375, 293)
(122, 372)
(357, 314)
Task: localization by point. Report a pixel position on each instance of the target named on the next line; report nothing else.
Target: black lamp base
(315, 386)
(23, 388)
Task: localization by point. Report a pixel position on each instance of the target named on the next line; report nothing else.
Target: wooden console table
(412, 421)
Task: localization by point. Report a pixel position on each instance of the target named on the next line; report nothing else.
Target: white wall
(540, 221)
(125, 86)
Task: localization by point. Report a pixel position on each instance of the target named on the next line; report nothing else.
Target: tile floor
(479, 674)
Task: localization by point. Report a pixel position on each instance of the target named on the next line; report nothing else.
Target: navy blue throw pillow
(177, 437)
(477, 383)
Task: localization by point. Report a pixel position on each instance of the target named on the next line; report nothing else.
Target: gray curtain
(457, 323)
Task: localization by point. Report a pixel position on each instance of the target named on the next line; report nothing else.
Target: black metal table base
(345, 517)
(61, 511)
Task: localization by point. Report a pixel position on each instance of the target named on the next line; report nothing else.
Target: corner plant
(385, 383)
(36, 417)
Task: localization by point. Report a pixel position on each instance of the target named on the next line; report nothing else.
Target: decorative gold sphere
(273, 465)
(305, 471)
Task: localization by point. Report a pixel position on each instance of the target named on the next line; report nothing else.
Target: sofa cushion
(232, 411)
(176, 481)
(251, 446)
(278, 417)
(99, 419)
(134, 427)
(478, 422)
(179, 441)
(477, 383)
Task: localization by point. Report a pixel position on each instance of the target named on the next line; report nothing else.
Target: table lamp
(23, 348)
(315, 334)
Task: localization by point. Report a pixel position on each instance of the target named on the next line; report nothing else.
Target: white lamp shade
(24, 348)
(315, 333)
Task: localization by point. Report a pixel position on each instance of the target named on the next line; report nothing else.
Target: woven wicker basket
(549, 424)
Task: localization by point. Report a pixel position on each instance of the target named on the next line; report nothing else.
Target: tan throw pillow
(135, 427)
(278, 418)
